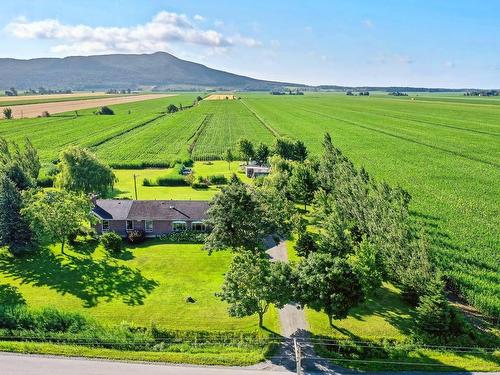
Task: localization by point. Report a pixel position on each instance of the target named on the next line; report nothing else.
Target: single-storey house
(254, 171)
(154, 217)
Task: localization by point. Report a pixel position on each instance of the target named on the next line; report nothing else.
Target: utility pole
(298, 356)
(135, 185)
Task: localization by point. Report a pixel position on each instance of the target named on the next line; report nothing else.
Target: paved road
(17, 364)
(22, 364)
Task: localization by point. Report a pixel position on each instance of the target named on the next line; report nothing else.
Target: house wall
(159, 227)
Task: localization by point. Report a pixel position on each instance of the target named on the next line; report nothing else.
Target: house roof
(121, 209)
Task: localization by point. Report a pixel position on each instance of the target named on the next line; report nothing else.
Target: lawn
(124, 188)
(147, 284)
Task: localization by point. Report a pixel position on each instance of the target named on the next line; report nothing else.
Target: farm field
(50, 135)
(226, 122)
(148, 283)
(33, 99)
(220, 97)
(443, 149)
(446, 154)
(34, 110)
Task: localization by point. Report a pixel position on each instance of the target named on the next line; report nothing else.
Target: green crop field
(227, 121)
(443, 149)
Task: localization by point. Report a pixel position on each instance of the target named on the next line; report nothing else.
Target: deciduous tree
(57, 214)
(253, 283)
(246, 149)
(81, 171)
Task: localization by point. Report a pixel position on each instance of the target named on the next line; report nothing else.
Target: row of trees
(30, 215)
(282, 147)
(364, 235)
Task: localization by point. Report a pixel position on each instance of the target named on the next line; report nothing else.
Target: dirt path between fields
(35, 110)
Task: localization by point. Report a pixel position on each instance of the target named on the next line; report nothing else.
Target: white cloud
(218, 23)
(368, 24)
(158, 34)
(198, 18)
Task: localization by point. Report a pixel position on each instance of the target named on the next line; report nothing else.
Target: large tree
(81, 171)
(246, 149)
(14, 229)
(241, 217)
(228, 157)
(303, 183)
(253, 283)
(262, 153)
(57, 214)
(327, 283)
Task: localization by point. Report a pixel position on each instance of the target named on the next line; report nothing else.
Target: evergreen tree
(305, 244)
(435, 316)
(14, 229)
(327, 283)
(303, 184)
(299, 151)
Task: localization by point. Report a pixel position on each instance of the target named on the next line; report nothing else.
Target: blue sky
(415, 43)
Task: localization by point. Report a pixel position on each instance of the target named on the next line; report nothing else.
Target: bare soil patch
(51, 96)
(220, 97)
(35, 110)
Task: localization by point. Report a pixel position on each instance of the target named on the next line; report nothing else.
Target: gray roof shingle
(116, 209)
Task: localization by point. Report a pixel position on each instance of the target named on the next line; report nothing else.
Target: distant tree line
(287, 92)
(483, 93)
(397, 93)
(40, 91)
(117, 91)
(360, 93)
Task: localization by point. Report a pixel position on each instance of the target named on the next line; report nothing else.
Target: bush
(45, 181)
(185, 236)
(217, 179)
(199, 185)
(105, 111)
(112, 242)
(136, 236)
(147, 182)
(172, 108)
(171, 180)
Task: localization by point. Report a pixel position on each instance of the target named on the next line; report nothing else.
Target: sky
(425, 43)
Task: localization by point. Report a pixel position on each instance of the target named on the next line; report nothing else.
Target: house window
(130, 225)
(105, 226)
(148, 226)
(179, 225)
(198, 226)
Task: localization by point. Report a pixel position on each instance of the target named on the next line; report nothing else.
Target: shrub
(105, 111)
(112, 242)
(45, 181)
(7, 113)
(217, 179)
(147, 182)
(171, 180)
(199, 185)
(172, 108)
(136, 236)
(185, 236)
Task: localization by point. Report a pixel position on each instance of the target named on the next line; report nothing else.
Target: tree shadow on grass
(10, 296)
(92, 281)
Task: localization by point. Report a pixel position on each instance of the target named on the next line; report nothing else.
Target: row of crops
(446, 154)
(228, 122)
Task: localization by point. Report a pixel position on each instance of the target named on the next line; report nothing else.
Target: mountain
(159, 70)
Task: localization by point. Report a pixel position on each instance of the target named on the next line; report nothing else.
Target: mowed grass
(124, 188)
(445, 153)
(228, 121)
(147, 284)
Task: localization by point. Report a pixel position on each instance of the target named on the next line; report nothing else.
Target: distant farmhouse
(154, 217)
(254, 171)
